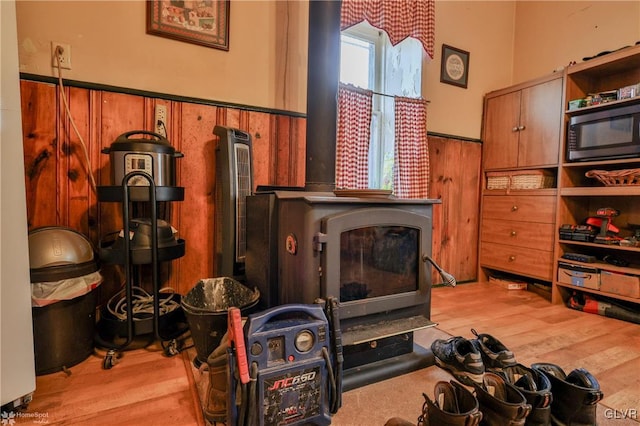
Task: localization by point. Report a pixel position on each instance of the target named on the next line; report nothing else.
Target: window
(368, 60)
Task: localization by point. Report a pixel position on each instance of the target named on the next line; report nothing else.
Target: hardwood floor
(146, 388)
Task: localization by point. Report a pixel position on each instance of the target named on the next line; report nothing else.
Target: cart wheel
(172, 348)
(110, 360)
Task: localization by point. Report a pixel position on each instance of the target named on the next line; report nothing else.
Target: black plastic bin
(206, 306)
(63, 333)
(65, 279)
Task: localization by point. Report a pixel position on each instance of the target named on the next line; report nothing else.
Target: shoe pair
(460, 357)
(453, 405)
(575, 395)
(518, 396)
(495, 403)
(468, 359)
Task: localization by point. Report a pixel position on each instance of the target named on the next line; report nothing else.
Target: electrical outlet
(160, 123)
(61, 56)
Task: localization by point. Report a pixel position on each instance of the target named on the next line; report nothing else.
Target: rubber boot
(536, 389)
(575, 396)
(501, 403)
(215, 404)
(453, 405)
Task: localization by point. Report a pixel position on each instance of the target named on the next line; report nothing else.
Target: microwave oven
(604, 134)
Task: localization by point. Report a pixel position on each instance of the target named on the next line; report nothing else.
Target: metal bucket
(206, 306)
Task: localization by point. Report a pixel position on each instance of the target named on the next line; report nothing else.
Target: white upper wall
(508, 41)
(485, 30)
(551, 34)
(109, 45)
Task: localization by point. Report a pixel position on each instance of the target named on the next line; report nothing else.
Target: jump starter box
(288, 354)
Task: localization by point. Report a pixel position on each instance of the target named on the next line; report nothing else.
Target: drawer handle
(514, 208)
(512, 258)
(514, 233)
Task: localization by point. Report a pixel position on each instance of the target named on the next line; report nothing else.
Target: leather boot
(215, 404)
(501, 403)
(453, 405)
(575, 396)
(536, 389)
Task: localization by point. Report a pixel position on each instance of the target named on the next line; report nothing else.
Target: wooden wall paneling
(63, 154)
(299, 146)
(455, 221)
(231, 118)
(40, 148)
(436, 163)
(74, 167)
(259, 128)
(97, 159)
(283, 150)
(466, 218)
(195, 215)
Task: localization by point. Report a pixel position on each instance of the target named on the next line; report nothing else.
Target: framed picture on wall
(454, 67)
(199, 22)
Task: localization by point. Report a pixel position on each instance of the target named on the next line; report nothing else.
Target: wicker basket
(521, 179)
(625, 177)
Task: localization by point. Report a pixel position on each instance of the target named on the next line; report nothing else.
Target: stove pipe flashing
(323, 74)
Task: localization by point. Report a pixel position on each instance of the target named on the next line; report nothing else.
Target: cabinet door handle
(514, 208)
(514, 233)
(521, 128)
(515, 129)
(512, 258)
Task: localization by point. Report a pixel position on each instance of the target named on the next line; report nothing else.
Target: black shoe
(460, 358)
(575, 396)
(452, 405)
(495, 355)
(501, 403)
(536, 388)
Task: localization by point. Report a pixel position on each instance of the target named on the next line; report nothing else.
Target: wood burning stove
(370, 252)
(367, 252)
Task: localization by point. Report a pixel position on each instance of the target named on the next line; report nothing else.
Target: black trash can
(63, 333)
(64, 278)
(206, 306)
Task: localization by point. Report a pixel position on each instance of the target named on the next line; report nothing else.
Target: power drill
(606, 215)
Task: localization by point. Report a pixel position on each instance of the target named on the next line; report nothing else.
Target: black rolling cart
(150, 242)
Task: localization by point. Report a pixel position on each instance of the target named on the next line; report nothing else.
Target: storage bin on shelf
(521, 179)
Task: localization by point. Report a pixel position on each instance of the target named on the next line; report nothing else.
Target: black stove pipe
(323, 74)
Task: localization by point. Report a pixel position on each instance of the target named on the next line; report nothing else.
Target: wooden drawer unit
(517, 234)
(541, 209)
(520, 234)
(518, 260)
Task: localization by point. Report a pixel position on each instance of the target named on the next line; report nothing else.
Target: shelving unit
(579, 196)
(158, 327)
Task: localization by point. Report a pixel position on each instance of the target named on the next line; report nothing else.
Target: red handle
(236, 336)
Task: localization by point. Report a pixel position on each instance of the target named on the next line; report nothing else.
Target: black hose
(252, 400)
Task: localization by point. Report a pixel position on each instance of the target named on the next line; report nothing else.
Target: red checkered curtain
(354, 131)
(411, 162)
(398, 18)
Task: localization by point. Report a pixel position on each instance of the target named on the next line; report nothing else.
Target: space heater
(234, 182)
